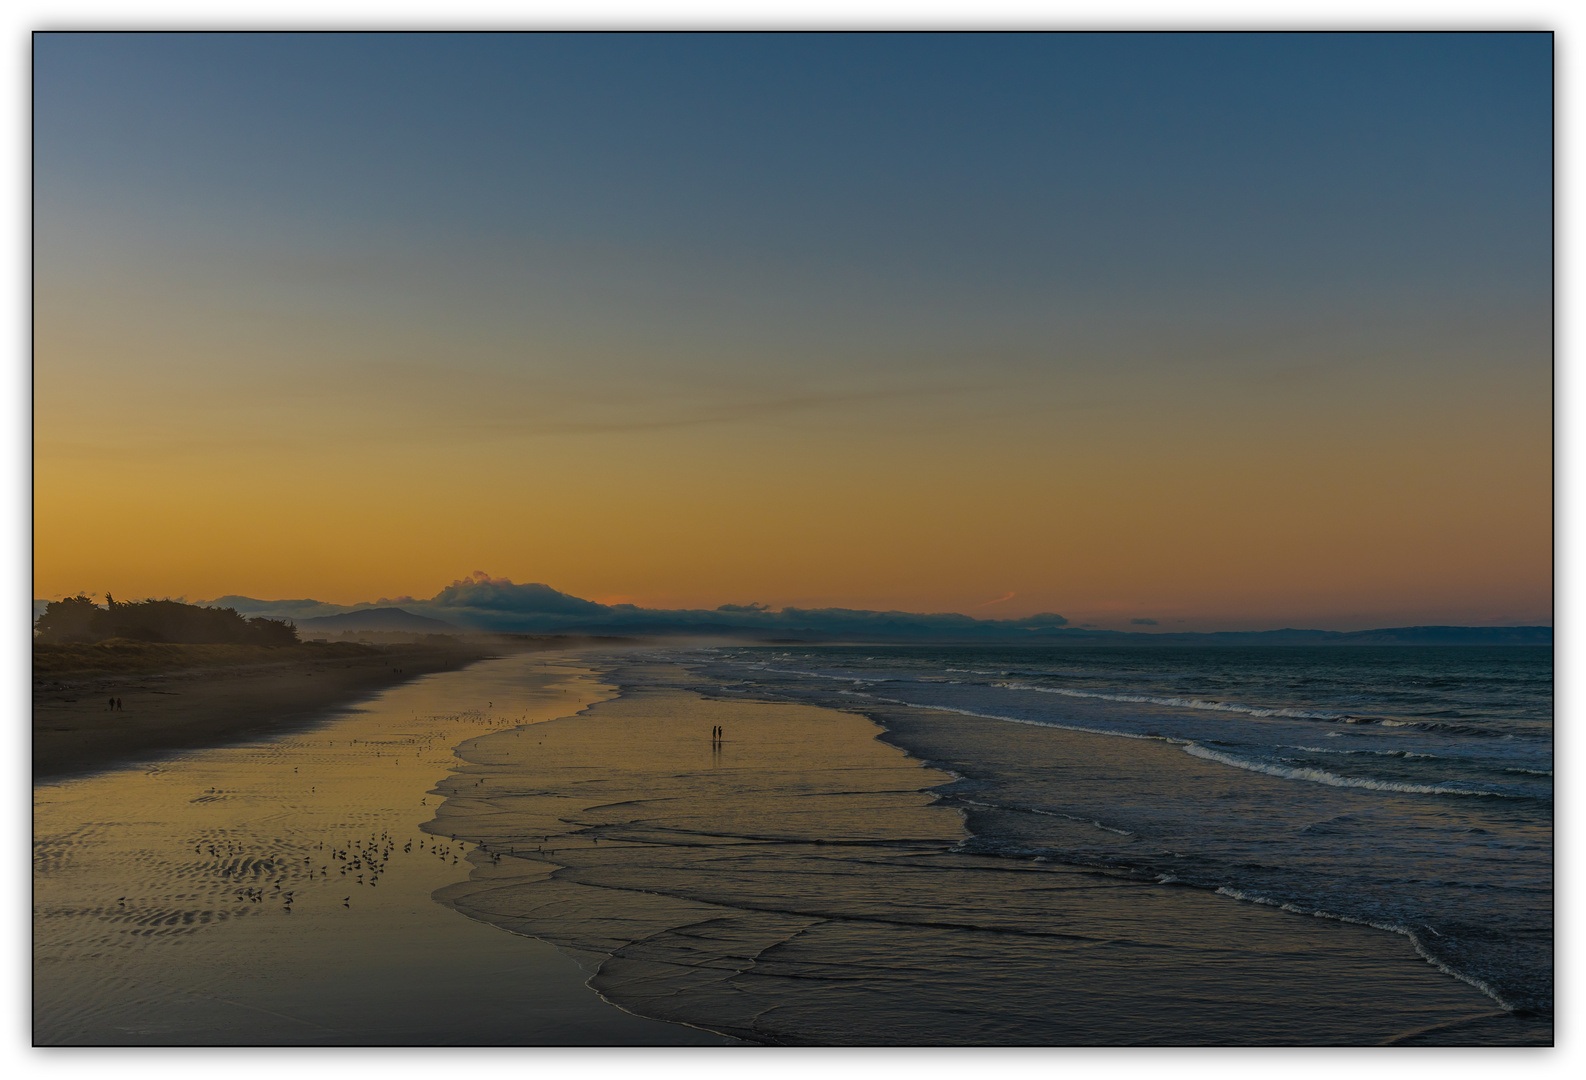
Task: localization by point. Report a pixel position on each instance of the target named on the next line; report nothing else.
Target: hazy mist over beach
(843, 539)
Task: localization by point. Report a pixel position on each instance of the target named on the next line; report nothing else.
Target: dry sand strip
(75, 731)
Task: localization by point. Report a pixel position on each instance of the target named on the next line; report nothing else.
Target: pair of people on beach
(715, 733)
(115, 703)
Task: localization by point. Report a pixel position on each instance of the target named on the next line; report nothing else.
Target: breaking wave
(1321, 776)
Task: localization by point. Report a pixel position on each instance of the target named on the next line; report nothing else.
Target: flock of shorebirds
(362, 861)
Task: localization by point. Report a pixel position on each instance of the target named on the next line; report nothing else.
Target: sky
(1224, 331)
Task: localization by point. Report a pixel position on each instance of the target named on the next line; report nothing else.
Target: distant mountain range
(482, 603)
(379, 618)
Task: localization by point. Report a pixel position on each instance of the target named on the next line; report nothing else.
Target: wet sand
(796, 883)
(186, 708)
(161, 911)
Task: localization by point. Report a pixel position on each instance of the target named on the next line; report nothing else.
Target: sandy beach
(280, 891)
(176, 698)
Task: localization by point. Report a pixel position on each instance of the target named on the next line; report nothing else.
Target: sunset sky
(1221, 331)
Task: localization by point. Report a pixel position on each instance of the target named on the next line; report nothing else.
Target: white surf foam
(1013, 719)
(1181, 702)
(1321, 776)
(1375, 753)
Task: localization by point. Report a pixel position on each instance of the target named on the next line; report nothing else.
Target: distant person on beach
(112, 704)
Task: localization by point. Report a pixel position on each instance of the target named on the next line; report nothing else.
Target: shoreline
(834, 875)
(998, 814)
(171, 709)
(282, 893)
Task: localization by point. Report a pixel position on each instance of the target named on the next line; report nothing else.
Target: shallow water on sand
(280, 892)
(798, 881)
(1408, 788)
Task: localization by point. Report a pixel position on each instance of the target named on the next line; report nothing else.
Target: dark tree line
(79, 619)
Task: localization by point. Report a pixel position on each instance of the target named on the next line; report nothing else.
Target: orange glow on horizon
(1186, 518)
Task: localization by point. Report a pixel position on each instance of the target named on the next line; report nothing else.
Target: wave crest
(1321, 776)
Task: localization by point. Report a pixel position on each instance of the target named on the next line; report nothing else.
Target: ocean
(1402, 791)
(1423, 775)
